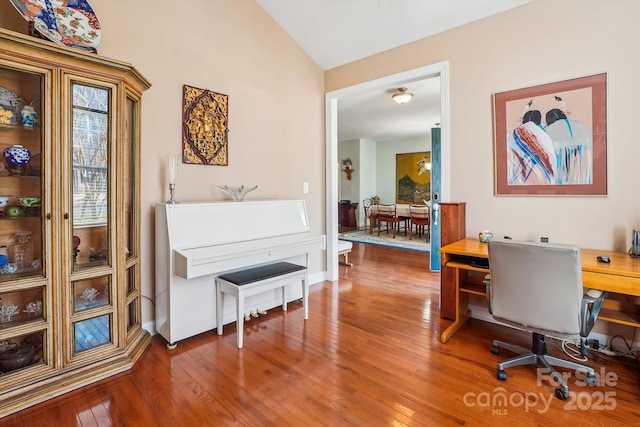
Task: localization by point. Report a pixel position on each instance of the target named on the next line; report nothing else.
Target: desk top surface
(621, 263)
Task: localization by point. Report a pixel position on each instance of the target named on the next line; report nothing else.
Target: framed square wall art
(552, 139)
(413, 177)
(204, 127)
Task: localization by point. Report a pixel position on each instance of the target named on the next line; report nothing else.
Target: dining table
(402, 210)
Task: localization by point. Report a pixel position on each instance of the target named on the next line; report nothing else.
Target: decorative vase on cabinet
(17, 159)
(75, 309)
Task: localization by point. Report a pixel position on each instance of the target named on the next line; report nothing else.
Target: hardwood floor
(369, 355)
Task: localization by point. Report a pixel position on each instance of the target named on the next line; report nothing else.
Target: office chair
(537, 287)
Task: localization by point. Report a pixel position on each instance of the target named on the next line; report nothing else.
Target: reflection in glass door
(90, 175)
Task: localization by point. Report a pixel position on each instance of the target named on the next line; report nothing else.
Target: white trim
(331, 123)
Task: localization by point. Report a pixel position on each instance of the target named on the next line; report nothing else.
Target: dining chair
(387, 214)
(366, 205)
(419, 216)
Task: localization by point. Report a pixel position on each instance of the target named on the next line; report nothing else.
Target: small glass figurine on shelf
(237, 193)
(8, 311)
(34, 307)
(89, 295)
(22, 251)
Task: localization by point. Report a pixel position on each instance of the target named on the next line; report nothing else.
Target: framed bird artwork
(551, 139)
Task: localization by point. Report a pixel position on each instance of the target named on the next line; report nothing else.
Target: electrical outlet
(544, 239)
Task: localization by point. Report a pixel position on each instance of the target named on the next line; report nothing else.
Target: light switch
(305, 187)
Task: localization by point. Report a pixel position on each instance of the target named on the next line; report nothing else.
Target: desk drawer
(611, 283)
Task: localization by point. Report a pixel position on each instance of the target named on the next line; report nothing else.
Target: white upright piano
(195, 242)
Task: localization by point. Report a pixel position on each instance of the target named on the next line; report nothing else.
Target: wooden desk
(620, 277)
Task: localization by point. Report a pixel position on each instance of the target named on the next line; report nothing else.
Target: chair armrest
(589, 310)
(487, 288)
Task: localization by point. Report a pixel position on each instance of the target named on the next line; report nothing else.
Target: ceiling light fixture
(402, 97)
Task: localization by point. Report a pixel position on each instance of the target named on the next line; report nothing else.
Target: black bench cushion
(244, 277)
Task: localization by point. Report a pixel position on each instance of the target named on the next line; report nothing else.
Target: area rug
(400, 241)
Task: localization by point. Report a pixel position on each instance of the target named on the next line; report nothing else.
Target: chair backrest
(536, 286)
(386, 211)
(366, 203)
(419, 211)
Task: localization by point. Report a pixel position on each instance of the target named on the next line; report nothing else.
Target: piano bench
(344, 248)
(255, 280)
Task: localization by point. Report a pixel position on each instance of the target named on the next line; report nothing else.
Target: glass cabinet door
(131, 194)
(70, 293)
(24, 289)
(91, 286)
(90, 175)
(21, 183)
(129, 154)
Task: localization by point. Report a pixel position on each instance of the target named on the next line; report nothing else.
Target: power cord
(579, 351)
(629, 350)
(609, 350)
(574, 351)
(571, 348)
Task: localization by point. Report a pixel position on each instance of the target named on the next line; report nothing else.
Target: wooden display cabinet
(453, 222)
(70, 292)
(347, 215)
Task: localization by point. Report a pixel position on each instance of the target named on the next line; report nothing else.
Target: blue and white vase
(17, 159)
(29, 116)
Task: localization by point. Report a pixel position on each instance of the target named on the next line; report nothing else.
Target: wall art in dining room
(551, 139)
(413, 177)
(204, 127)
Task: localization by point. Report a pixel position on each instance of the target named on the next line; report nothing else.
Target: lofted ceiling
(337, 32)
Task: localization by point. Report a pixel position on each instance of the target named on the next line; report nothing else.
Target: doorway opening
(332, 162)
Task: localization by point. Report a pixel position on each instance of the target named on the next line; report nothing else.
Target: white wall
(375, 168)
(368, 166)
(502, 53)
(276, 103)
(350, 188)
(386, 164)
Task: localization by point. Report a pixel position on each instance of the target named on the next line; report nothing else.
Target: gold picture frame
(204, 127)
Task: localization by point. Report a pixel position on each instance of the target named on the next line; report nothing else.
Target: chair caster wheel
(501, 375)
(561, 394)
(592, 380)
(495, 349)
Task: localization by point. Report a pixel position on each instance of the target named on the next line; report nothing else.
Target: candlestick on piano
(172, 169)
